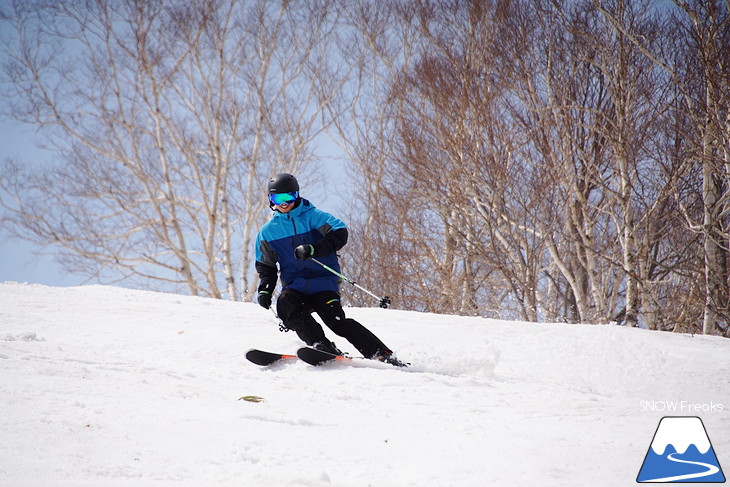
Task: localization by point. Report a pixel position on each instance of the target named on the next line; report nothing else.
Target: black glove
(265, 299)
(304, 252)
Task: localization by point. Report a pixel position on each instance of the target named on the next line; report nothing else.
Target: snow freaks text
(680, 407)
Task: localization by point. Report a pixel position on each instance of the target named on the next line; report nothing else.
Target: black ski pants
(295, 310)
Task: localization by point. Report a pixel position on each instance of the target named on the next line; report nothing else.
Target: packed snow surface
(103, 386)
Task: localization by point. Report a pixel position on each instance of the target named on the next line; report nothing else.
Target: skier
(297, 232)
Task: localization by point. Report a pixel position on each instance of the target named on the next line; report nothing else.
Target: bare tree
(422, 192)
(697, 60)
(532, 159)
(372, 46)
(706, 65)
(167, 118)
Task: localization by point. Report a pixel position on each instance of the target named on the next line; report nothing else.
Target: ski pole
(282, 328)
(384, 301)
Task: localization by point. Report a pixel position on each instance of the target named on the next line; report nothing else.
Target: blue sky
(18, 262)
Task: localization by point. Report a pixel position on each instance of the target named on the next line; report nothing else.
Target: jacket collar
(299, 207)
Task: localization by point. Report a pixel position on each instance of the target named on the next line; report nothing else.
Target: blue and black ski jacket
(277, 239)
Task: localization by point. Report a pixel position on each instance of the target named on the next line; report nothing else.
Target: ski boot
(389, 357)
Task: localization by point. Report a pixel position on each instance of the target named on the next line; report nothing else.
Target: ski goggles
(283, 198)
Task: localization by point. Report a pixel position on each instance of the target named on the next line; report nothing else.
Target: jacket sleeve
(268, 277)
(265, 265)
(334, 235)
(333, 241)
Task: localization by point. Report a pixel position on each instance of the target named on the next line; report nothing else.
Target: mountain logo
(680, 452)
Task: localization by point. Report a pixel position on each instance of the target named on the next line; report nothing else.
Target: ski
(316, 357)
(260, 357)
(308, 355)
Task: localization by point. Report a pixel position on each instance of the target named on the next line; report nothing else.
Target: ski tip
(260, 357)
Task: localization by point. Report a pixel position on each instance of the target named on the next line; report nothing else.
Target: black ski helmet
(283, 183)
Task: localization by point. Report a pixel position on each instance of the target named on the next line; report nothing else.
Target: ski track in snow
(106, 386)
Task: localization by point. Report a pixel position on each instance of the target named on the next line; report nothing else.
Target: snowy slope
(103, 386)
